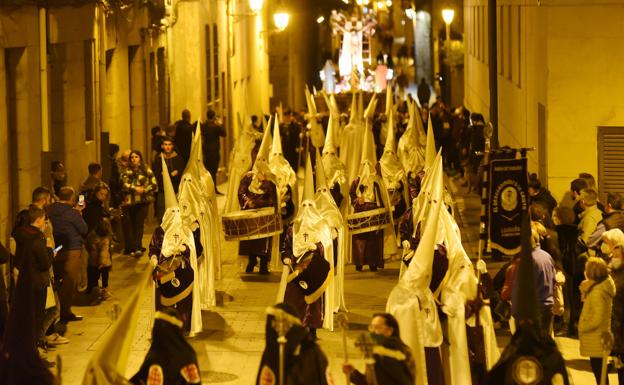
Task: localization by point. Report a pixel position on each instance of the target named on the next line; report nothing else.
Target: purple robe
(367, 247)
(311, 315)
(250, 200)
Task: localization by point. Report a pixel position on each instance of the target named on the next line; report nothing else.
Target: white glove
(481, 266)
(154, 261)
(406, 244)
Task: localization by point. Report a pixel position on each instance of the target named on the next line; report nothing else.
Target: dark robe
(166, 291)
(170, 357)
(388, 369)
(401, 206)
(262, 246)
(304, 361)
(311, 315)
(542, 353)
(367, 247)
(336, 194)
(20, 363)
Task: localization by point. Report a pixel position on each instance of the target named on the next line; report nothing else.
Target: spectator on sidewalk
(100, 262)
(42, 198)
(94, 178)
(69, 231)
(613, 218)
(597, 291)
(175, 165)
(589, 219)
(617, 313)
(540, 195)
(184, 135)
(96, 208)
(576, 186)
(423, 93)
(158, 135)
(212, 130)
(34, 252)
(140, 185)
(58, 176)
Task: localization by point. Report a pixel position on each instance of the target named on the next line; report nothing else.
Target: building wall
(88, 77)
(20, 114)
(559, 55)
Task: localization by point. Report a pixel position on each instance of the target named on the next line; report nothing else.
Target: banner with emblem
(508, 198)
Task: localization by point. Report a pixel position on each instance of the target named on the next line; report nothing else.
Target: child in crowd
(100, 261)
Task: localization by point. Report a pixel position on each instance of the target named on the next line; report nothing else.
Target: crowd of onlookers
(577, 244)
(65, 239)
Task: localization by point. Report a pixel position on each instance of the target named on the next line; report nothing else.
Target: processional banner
(507, 198)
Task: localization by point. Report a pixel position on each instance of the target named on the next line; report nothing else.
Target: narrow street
(230, 347)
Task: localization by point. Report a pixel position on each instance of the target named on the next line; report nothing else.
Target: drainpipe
(493, 71)
(43, 79)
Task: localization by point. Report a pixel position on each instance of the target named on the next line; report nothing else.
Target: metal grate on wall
(610, 161)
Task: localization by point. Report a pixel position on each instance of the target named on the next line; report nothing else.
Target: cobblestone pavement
(231, 344)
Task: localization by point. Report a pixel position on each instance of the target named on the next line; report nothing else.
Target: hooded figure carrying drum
(307, 252)
(173, 253)
(257, 190)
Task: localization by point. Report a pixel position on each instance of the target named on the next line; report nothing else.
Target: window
(89, 91)
(610, 160)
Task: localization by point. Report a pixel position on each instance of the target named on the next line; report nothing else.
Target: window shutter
(610, 160)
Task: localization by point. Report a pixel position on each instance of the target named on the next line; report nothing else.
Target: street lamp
(448, 15)
(255, 5)
(280, 18)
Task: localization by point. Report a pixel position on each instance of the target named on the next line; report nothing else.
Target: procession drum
(174, 278)
(367, 221)
(251, 224)
(314, 278)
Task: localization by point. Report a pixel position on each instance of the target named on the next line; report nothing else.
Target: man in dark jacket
(394, 363)
(20, 363)
(612, 219)
(35, 253)
(184, 135)
(175, 166)
(69, 231)
(538, 194)
(211, 131)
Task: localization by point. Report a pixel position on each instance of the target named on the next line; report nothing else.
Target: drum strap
(170, 301)
(309, 299)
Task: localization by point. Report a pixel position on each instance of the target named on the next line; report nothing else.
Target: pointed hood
(317, 136)
(334, 105)
(389, 100)
(391, 168)
(430, 149)
(368, 148)
(419, 274)
(353, 118)
(370, 110)
(321, 179)
(390, 137)
(108, 363)
(308, 182)
(308, 225)
(265, 146)
(276, 149)
(330, 146)
(360, 106)
(170, 197)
